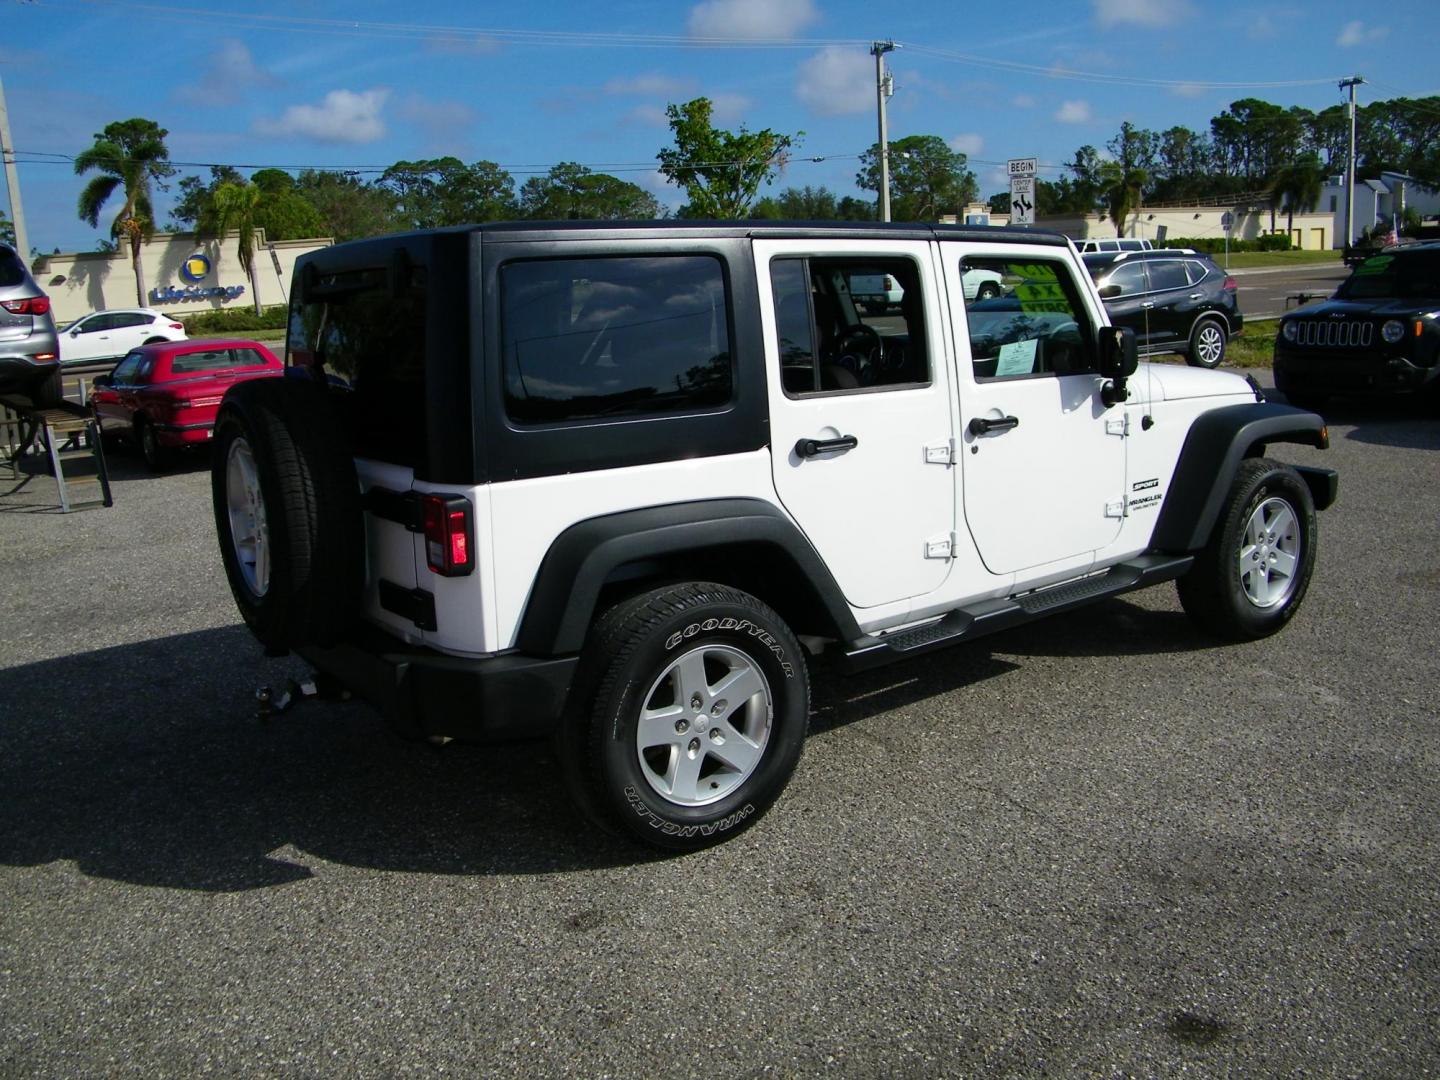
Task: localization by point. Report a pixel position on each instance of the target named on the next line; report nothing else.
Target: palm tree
(129, 155)
(1121, 190)
(233, 206)
(1298, 185)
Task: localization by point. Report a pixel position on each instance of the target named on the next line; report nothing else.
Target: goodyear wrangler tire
(287, 512)
(1251, 577)
(700, 705)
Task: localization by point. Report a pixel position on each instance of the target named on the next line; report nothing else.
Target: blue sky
(330, 84)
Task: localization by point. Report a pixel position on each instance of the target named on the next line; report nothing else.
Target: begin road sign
(1023, 166)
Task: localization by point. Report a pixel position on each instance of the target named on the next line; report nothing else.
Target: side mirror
(1109, 292)
(1118, 361)
(1118, 357)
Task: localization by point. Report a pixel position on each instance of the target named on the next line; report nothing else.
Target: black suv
(1379, 333)
(1176, 301)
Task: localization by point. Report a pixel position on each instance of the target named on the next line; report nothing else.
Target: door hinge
(940, 453)
(942, 547)
(1115, 509)
(1118, 426)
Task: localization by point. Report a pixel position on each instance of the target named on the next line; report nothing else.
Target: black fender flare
(1216, 444)
(567, 586)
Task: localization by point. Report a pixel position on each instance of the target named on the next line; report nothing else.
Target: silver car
(29, 349)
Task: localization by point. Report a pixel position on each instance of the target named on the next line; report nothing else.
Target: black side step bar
(989, 616)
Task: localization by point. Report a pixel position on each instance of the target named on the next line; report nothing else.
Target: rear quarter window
(12, 270)
(583, 339)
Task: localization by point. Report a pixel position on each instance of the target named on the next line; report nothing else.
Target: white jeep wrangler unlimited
(601, 482)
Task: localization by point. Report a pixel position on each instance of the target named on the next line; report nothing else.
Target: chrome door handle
(1197, 296)
(1148, 304)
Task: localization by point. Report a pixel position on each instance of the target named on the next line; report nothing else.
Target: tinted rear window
(588, 338)
(12, 271)
(359, 336)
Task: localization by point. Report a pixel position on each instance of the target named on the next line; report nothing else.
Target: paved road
(1268, 293)
(1097, 846)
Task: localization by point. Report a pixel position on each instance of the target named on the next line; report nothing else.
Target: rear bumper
(424, 693)
(30, 378)
(184, 434)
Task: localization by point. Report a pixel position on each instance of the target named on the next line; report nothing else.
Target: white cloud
(1357, 33)
(230, 71)
(649, 116)
(1187, 90)
(1152, 13)
(652, 86)
(437, 117)
(751, 19)
(728, 108)
(1023, 101)
(970, 144)
(1074, 112)
(343, 117)
(836, 81)
(462, 45)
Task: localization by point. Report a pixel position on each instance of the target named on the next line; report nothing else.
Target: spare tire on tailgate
(287, 512)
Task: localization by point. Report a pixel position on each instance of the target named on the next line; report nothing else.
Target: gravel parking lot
(1096, 846)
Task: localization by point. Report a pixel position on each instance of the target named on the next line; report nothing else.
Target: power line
(483, 36)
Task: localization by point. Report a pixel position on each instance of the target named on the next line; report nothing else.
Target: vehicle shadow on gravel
(145, 763)
(1411, 423)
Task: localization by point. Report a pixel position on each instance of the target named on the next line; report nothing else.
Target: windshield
(1403, 275)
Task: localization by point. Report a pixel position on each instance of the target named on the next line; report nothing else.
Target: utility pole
(1351, 82)
(12, 182)
(884, 87)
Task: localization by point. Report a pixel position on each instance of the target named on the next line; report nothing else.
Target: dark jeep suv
(1176, 300)
(29, 349)
(1379, 333)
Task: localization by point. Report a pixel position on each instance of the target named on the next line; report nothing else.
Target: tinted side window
(1130, 277)
(1168, 274)
(586, 338)
(1039, 327)
(1197, 271)
(355, 333)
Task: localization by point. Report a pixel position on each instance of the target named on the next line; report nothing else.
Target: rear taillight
(449, 534)
(34, 305)
(177, 326)
(1229, 284)
(889, 283)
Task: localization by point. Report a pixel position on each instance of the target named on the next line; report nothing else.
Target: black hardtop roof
(550, 231)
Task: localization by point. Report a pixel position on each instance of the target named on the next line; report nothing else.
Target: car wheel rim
(704, 725)
(249, 535)
(1212, 346)
(1270, 554)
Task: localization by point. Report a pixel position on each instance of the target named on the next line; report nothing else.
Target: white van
(1116, 243)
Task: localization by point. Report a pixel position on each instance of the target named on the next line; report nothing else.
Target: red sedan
(165, 396)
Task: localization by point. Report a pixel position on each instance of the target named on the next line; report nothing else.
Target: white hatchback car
(109, 335)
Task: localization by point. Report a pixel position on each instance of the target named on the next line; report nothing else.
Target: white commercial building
(183, 275)
(1377, 202)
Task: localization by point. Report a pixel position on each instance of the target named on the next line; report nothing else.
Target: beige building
(1312, 232)
(183, 275)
